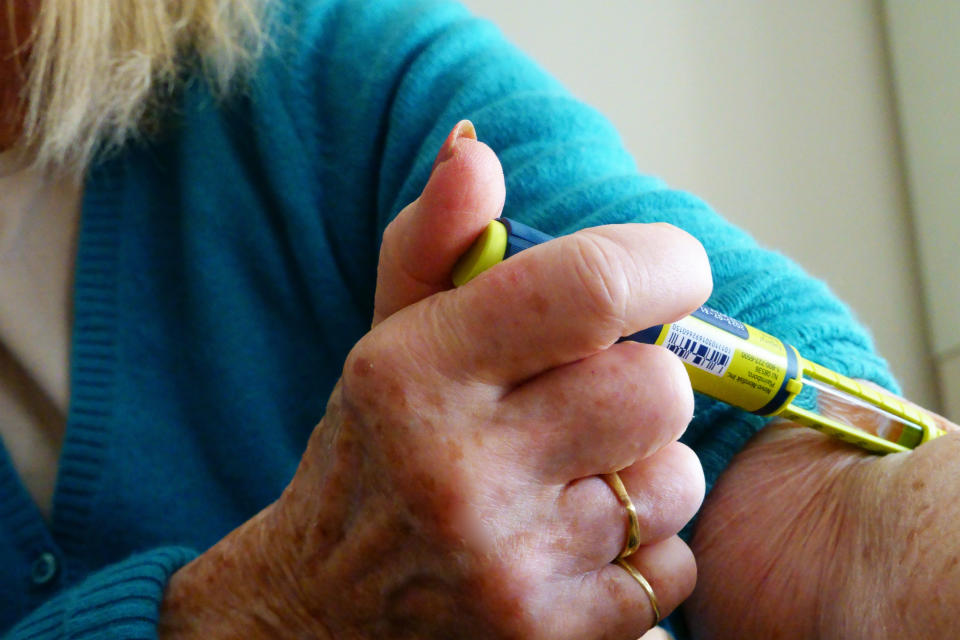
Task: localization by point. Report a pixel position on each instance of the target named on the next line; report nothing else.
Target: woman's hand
(453, 489)
(805, 537)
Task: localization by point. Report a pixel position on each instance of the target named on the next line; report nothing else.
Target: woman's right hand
(453, 488)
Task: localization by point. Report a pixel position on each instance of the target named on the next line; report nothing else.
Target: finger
(666, 490)
(562, 301)
(613, 604)
(671, 572)
(421, 245)
(602, 413)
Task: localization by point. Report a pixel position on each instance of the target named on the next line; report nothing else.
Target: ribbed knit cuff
(120, 601)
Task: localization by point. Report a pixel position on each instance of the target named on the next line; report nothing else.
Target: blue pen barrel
(521, 236)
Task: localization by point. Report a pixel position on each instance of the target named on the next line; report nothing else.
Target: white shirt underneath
(39, 216)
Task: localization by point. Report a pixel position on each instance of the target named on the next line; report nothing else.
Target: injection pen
(743, 366)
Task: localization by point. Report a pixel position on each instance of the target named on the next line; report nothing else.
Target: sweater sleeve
(119, 601)
(429, 63)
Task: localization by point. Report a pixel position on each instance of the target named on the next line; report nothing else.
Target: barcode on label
(702, 352)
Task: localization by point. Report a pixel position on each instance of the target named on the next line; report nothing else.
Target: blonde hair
(98, 70)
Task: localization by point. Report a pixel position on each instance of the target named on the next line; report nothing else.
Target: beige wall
(925, 56)
(779, 114)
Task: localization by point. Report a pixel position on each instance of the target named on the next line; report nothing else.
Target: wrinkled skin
(451, 489)
(804, 537)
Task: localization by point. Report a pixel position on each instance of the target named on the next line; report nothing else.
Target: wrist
(772, 534)
(238, 588)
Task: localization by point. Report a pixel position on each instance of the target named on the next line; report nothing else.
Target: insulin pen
(743, 366)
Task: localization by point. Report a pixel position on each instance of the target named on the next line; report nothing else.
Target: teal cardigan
(226, 267)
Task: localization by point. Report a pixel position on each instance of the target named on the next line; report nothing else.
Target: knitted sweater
(226, 267)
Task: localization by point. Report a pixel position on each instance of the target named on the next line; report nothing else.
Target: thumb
(421, 245)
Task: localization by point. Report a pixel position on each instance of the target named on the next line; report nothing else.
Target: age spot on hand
(540, 305)
(362, 367)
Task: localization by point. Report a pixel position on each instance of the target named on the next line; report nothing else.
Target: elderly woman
(205, 204)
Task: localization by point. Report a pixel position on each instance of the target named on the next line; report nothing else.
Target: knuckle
(359, 363)
(403, 354)
(390, 232)
(397, 229)
(681, 391)
(372, 374)
(596, 264)
(691, 254)
(668, 490)
(690, 482)
(673, 388)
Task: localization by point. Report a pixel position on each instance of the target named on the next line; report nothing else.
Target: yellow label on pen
(742, 366)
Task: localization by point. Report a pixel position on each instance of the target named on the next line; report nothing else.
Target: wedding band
(632, 542)
(626, 566)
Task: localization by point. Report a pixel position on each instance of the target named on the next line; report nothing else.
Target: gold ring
(626, 566)
(632, 542)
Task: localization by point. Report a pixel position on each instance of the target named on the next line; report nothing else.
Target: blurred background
(829, 130)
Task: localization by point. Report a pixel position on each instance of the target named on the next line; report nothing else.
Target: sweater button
(44, 569)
